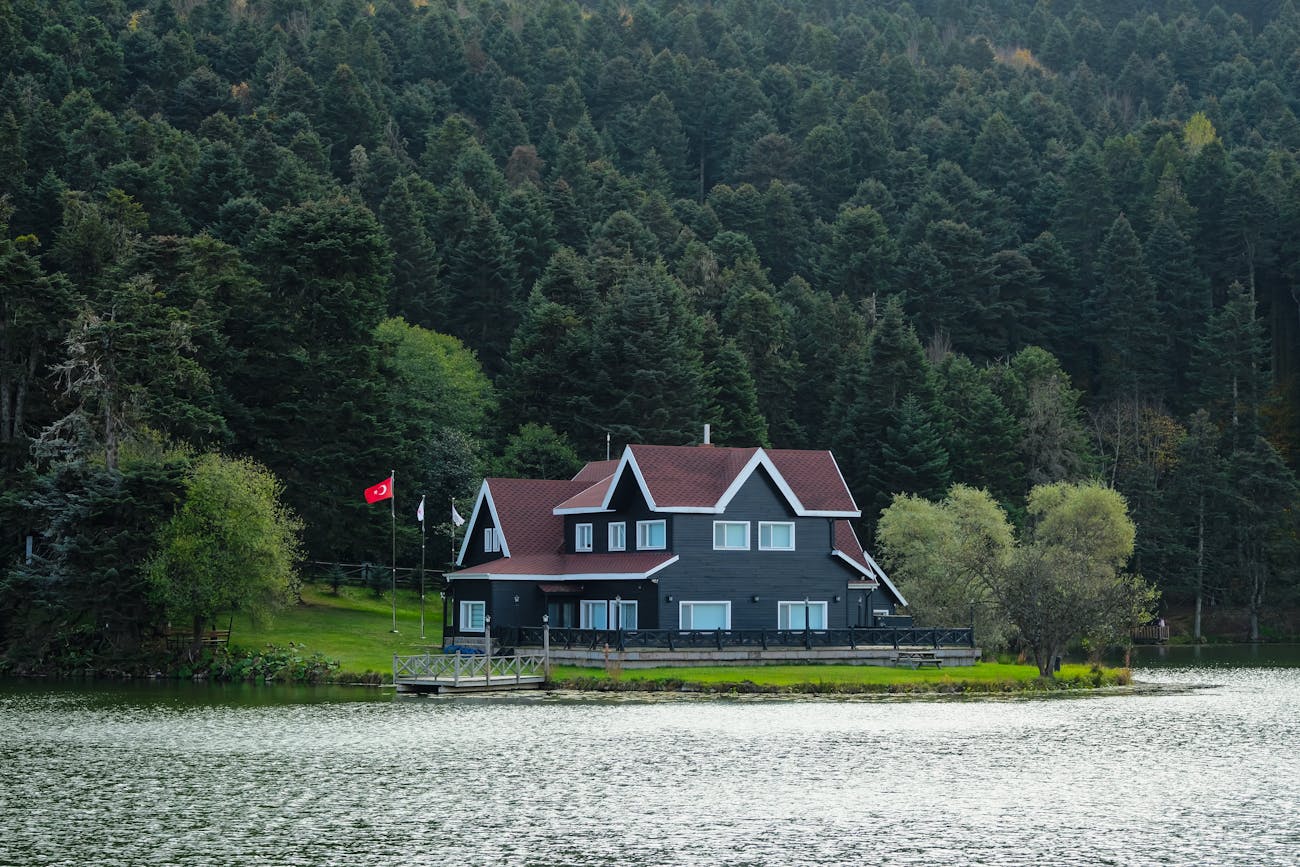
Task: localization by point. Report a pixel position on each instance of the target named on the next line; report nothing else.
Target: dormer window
(582, 538)
(491, 541)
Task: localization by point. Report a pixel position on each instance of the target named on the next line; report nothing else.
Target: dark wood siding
(627, 506)
(704, 574)
(474, 554)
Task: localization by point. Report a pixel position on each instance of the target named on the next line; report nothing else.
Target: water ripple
(180, 775)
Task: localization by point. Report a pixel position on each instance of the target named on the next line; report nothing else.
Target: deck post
(546, 646)
(455, 676)
(394, 668)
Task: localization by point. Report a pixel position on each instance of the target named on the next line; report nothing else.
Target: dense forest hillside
(998, 243)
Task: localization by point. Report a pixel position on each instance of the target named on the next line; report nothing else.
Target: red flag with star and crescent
(381, 491)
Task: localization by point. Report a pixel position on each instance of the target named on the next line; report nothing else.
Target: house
(687, 538)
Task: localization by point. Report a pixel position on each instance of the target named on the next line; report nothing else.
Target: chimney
(706, 434)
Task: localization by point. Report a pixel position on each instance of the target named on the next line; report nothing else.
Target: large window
(582, 541)
(491, 541)
(705, 615)
(775, 536)
(651, 535)
(594, 614)
(731, 535)
(472, 615)
(801, 615)
(624, 614)
(608, 614)
(618, 536)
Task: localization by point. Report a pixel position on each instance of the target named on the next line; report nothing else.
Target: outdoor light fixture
(668, 599)
(755, 597)
(837, 598)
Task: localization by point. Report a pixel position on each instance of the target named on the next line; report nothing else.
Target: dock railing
(455, 669)
(722, 639)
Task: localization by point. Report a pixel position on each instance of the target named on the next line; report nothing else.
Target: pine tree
(1229, 367)
(414, 294)
(861, 256)
(527, 220)
(647, 370)
(482, 287)
(761, 332)
(912, 459)
(312, 387)
(1128, 332)
(982, 438)
(1183, 297)
(736, 417)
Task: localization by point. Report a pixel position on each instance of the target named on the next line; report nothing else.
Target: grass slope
(352, 627)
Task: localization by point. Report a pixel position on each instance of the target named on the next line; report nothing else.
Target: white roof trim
(484, 496)
(570, 576)
(854, 563)
(628, 460)
(584, 510)
(883, 577)
(847, 490)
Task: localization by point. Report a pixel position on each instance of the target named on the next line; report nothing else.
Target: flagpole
(421, 567)
(392, 510)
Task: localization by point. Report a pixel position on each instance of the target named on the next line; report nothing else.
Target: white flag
(455, 516)
(419, 513)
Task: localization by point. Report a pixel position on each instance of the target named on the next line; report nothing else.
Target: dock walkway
(457, 672)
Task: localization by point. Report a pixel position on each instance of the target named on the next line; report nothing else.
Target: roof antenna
(606, 445)
(706, 433)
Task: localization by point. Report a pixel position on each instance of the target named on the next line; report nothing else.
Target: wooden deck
(456, 672)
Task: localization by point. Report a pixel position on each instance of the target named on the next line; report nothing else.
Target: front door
(562, 613)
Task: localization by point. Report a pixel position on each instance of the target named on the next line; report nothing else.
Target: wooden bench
(917, 658)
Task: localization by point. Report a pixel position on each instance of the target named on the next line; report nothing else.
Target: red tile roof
(815, 479)
(627, 563)
(524, 509)
(679, 477)
(846, 541)
(595, 471)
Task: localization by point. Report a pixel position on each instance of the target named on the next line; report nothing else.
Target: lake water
(182, 774)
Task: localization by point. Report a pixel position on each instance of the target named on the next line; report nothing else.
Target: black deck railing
(723, 639)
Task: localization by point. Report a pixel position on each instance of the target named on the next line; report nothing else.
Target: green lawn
(352, 627)
(848, 675)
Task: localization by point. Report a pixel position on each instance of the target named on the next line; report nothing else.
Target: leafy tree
(537, 452)
(231, 544)
(1066, 580)
(945, 557)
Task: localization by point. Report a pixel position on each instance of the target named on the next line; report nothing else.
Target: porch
(649, 648)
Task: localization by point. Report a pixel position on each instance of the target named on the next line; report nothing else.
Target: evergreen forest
(1002, 244)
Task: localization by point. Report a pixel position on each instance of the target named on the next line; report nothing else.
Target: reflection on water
(192, 775)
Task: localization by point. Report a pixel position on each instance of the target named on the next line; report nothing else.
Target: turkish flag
(381, 491)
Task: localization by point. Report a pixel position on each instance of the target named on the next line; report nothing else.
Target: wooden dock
(457, 672)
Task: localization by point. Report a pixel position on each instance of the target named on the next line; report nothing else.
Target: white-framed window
(582, 540)
(705, 615)
(593, 614)
(472, 615)
(624, 613)
(801, 615)
(651, 535)
(491, 541)
(618, 536)
(776, 535)
(730, 535)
